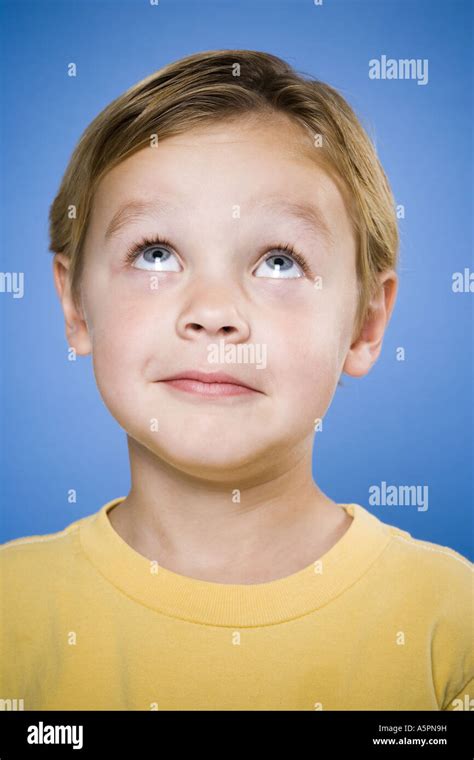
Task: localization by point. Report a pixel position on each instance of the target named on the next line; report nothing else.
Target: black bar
(375, 734)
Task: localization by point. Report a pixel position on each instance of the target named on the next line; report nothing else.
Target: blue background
(406, 423)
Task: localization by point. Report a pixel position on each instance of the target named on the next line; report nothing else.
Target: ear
(366, 348)
(77, 332)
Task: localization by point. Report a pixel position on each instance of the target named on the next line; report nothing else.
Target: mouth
(209, 384)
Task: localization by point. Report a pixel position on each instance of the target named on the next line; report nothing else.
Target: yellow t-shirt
(382, 621)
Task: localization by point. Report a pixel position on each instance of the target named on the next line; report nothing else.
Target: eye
(153, 255)
(156, 255)
(279, 265)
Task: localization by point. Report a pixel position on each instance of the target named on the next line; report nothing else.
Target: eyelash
(137, 248)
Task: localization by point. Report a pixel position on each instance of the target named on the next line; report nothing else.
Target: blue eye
(283, 266)
(155, 256)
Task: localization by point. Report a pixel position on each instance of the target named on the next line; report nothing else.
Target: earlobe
(361, 356)
(78, 337)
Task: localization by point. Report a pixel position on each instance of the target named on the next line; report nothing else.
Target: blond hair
(212, 86)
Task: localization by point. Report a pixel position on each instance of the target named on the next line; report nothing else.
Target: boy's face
(219, 280)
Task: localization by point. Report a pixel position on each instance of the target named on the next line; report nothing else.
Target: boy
(226, 203)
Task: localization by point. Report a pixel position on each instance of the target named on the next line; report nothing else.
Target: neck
(251, 527)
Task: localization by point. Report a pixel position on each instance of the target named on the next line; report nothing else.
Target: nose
(214, 315)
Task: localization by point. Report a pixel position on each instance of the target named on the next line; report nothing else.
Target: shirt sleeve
(464, 700)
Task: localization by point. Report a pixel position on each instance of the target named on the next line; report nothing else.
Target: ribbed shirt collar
(235, 605)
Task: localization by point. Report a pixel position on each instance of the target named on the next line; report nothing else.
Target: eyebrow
(307, 213)
(134, 210)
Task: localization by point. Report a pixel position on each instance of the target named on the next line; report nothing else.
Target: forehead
(261, 167)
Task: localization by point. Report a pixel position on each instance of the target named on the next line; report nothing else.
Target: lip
(209, 384)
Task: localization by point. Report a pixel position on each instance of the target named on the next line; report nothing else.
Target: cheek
(119, 348)
(308, 357)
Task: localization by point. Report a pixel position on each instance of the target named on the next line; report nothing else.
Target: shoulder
(433, 588)
(39, 576)
(429, 561)
(38, 554)
(415, 563)
(438, 578)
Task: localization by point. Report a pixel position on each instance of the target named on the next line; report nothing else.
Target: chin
(207, 462)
